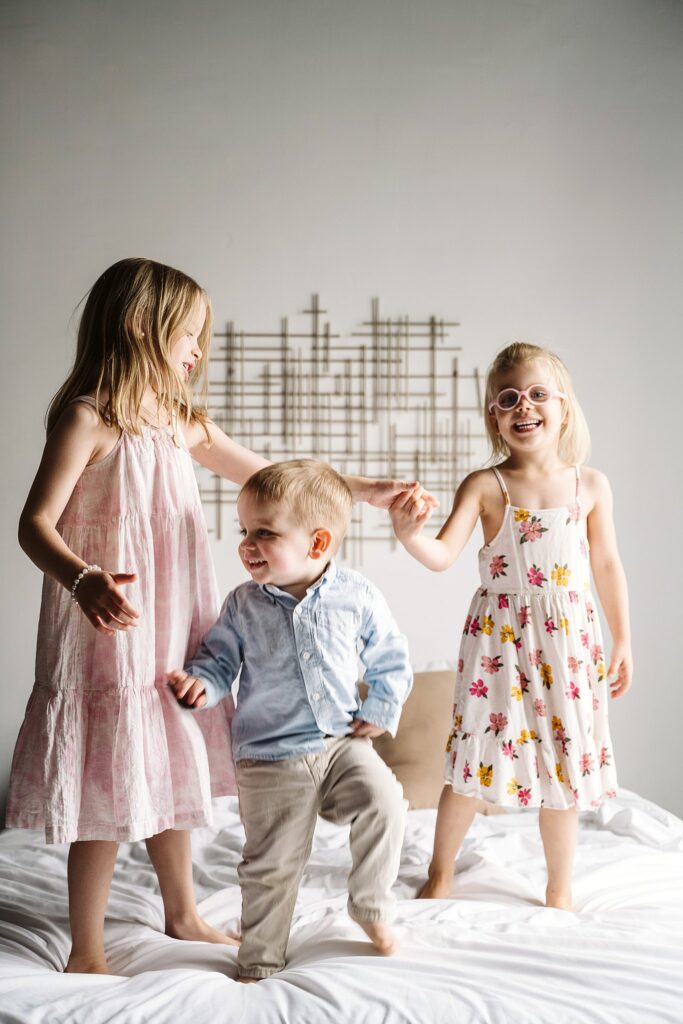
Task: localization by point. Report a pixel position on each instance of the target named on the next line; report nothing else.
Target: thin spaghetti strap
(499, 478)
(577, 467)
(86, 399)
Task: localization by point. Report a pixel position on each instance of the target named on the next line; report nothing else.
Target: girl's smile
(529, 423)
(185, 349)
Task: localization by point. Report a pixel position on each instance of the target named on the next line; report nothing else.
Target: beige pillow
(416, 755)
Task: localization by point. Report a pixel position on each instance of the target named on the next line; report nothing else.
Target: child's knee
(383, 796)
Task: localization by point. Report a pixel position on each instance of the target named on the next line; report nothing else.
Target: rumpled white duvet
(492, 954)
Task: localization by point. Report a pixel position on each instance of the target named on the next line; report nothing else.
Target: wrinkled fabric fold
(105, 751)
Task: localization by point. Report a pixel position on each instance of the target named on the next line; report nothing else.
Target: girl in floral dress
(530, 714)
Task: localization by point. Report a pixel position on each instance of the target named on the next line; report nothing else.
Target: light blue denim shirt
(299, 663)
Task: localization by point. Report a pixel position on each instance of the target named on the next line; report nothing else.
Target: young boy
(301, 743)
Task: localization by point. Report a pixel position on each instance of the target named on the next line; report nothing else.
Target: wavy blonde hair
(574, 440)
(124, 346)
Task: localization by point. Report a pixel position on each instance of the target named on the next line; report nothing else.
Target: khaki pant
(348, 783)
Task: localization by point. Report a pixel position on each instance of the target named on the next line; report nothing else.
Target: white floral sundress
(530, 708)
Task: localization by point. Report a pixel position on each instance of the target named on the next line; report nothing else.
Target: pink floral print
(497, 566)
(536, 577)
(531, 530)
(531, 671)
(497, 722)
(492, 665)
(478, 689)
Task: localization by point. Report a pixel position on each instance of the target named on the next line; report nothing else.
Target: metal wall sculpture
(390, 400)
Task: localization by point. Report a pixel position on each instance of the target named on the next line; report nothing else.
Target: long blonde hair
(574, 440)
(124, 345)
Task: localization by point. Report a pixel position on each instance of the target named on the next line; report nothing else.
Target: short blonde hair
(574, 440)
(314, 492)
(124, 344)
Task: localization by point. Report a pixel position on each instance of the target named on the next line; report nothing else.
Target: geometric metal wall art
(391, 399)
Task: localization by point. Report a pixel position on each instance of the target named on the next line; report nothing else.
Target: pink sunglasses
(537, 394)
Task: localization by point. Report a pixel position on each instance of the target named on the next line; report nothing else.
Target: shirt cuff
(212, 692)
(385, 714)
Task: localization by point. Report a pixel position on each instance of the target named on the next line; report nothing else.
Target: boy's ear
(320, 543)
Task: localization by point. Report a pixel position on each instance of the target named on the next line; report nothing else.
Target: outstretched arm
(409, 516)
(610, 581)
(233, 461)
(221, 454)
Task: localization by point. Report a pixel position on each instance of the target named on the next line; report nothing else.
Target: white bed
(494, 954)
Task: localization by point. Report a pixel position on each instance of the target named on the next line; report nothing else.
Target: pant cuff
(257, 972)
(367, 913)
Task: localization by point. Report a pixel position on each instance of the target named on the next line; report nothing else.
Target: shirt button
(316, 696)
(307, 655)
(297, 610)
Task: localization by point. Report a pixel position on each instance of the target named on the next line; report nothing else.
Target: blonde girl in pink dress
(114, 521)
(530, 722)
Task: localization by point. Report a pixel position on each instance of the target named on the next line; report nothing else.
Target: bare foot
(380, 935)
(86, 965)
(558, 899)
(437, 887)
(194, 929)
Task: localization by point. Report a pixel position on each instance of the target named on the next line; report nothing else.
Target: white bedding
(494, 954)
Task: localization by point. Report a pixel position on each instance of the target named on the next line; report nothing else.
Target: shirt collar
(275, 594)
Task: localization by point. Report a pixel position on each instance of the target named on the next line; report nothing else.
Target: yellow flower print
(600, 669)
(521, 515)
(457, 726)
(513, 786)
(487, 625)
(485, 773)
(561, 574)
(564, 624)
(558, 773)
(557, 722)
(516, 692)
(524, 737)
(546, 674)
(507, 633)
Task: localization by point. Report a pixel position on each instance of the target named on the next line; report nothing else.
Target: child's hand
(385, 492)
(620, 671)
(100, 598)
(409, 512)
(361, 728)
(189, 691)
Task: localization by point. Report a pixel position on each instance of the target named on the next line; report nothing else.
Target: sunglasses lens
(508, 399)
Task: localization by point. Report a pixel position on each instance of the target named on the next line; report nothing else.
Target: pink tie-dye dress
(530, 722)
(105, 751)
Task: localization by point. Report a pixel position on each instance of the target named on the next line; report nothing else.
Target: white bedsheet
(494, 954)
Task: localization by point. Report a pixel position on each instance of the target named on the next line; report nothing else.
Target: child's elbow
(25, 531)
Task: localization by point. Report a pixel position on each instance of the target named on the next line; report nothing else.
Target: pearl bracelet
(82, 573)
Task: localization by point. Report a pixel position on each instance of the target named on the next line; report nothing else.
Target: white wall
(513, 163)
